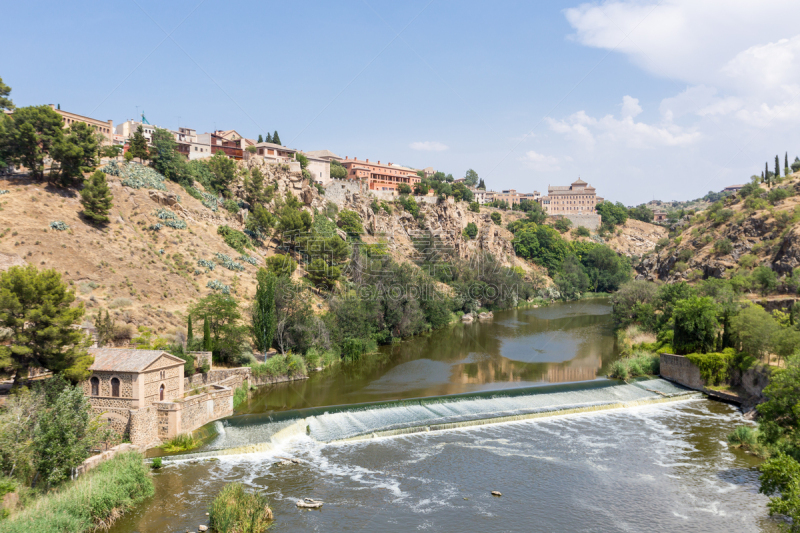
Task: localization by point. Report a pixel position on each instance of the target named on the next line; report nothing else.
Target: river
(481, 407)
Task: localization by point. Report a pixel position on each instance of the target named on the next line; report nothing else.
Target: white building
(128, 128)
(190, 145)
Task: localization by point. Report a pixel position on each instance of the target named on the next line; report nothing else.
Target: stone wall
(201, 359)
(125, 384)
(271, 380)
(188, 414)
(591, 222)
(143, 426)
(215, 376)
(171, 381)
(679, 369)
(338, 190)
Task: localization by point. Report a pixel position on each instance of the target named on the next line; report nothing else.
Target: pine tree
(37, 309)
(105, 328)
(138, 146)
(269, 138)
(263, 319)
(189, 331)
(96, 198)
(260, 138)
(276, 139)
(206, 335)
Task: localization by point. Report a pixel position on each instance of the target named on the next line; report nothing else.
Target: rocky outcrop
(788, 256)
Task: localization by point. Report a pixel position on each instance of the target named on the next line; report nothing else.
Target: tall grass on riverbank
(290, 364)
(235, 510)
(93, 501)
(638, 364)
(181, 443)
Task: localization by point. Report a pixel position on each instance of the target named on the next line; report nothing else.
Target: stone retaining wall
(591, 222)
(679, 369)
(191, 412)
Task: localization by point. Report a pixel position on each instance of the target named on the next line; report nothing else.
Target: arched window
(161, 393)
(95, 386)
(115, 387)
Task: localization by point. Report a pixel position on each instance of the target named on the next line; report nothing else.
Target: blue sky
(642, 99)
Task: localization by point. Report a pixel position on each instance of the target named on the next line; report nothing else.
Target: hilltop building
(105, 128)
(579, 198)
(128, 128)
(380, 177)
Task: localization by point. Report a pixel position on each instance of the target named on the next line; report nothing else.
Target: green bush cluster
(211, 265)
(58, 225)
(136, 176)
(234, 238)
(289, 364)
(229, 263)
(638, 364)
(248, 259)
(217, 285)
(714, 366)
(236, 510)
(94, 500)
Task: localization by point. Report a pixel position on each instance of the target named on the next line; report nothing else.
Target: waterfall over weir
(263, 433)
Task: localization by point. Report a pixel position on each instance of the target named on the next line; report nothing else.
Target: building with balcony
(380, 176)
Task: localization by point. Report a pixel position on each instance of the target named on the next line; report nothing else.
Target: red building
(381, 177)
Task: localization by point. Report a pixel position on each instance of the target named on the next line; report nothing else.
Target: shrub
(723, 246)
(217, 285)
(156, 463)
(240, 395)
(403, 189)
(748, 261)
(120, 302)
(229, 263)
(136, 176)
(638, 364)
(765, 279)
(563, 225)
(230, 206)
(475, 207)
(581, 231)
(59, 226)
(181, 443)
(680, 266)
(471, 231)
(714, 367)
(235, 510)
(289, 364)
(776, 195)
(93, 501)
(234, 238)
(281, 265)
(206, 264)
(743, 436)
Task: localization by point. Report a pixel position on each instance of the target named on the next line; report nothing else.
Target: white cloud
(541, 162)
(700, 100)
(767, 67)
(589, 130)
(428, 146)
(630, 107)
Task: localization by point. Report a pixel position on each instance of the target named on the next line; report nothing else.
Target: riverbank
(95, 500)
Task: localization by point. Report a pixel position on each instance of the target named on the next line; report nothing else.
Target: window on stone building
(95, 386)
(163, 374)
(161, 393)
(115, 387)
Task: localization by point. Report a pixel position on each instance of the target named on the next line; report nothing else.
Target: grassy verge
(289, 364)
(181, 443)
(235, 510)
(91, 502)
(637, 364)
(746, 437)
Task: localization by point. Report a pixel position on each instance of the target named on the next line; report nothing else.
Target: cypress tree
(786, 159)
(189, 332)
(269, 137)
(762, 176)
(264, 311)
(206, 335)
(96, 198)
(766, 173)
(777, 166)
(276, 139)
(260, 138)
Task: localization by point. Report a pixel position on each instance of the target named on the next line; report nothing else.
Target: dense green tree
(254, 187)
(260, 221)
(696, 325)
(765, 279)
(786, 164)
(612, 214)
(30, 135)
(563, 224)
(207, 342)
(104, 328)
(496, 218)
(766, 174)
(189, 331)
(323, 275)
(263, 312)
(350, 223)
(337, 170)
(260, 139)
(755, 330)
(5, 101)
(276, 139)
(96, 198)
(76, 152)
(481, 185)
(66, 432)
(635, 304)
(224, 317)
(641, 213)
(403, 189)
(780, 478)
(138, 144)
(777, 166)
(606, 269)
(302, 159)
(462, 192)
(166, 158)
(36, 307)
(572, 279)
(224, 171)
(471, 178)
(536, 213)
(796, 164)
(269, 138)
(281, 265)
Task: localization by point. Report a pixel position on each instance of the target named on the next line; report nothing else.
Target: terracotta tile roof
(126, 360)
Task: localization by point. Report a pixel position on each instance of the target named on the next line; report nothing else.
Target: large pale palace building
(579, 198)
